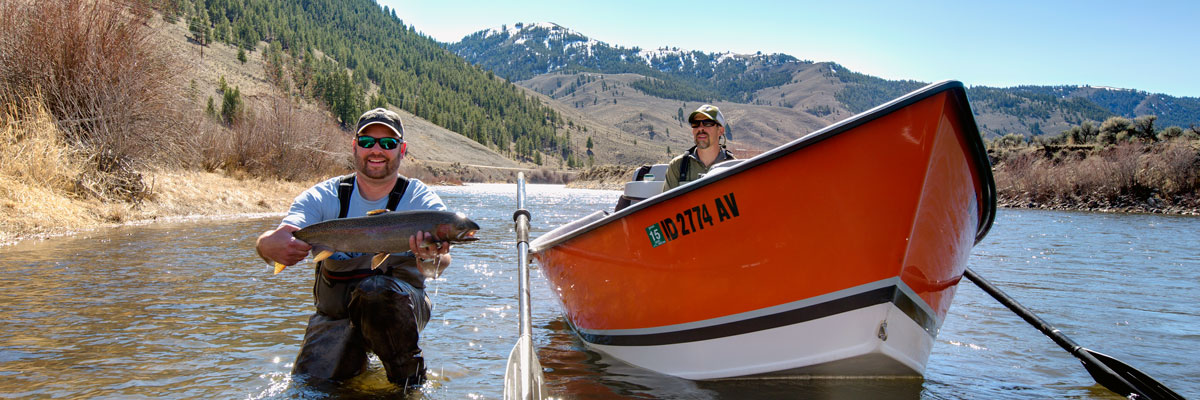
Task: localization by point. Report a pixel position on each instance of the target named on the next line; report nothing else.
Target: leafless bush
(276, 137)
(1173, 167)
(1124, 160)
(1124, 175)
(543, 175)
(1012, 175)
(103, 79)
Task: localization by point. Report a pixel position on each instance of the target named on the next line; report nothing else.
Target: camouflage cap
(383, 117)
(710, 111)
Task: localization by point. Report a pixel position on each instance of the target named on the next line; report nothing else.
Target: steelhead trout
(383, 232)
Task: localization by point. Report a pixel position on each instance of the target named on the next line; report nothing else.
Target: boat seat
(721, 166)
(647, 182)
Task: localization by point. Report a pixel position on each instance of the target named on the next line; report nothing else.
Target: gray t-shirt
(320, 203)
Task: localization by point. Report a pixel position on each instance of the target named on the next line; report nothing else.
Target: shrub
(280, 139)
(102, 78)
(1173, 168)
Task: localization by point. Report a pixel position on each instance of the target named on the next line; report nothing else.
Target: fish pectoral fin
(325, 253)
(378, 260)
(379, 211)
(279, 268)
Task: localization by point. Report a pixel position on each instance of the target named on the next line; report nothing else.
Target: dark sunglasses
(386, 143)
(708, 123)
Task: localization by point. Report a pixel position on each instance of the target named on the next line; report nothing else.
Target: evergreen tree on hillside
(199, 25)
(231, 105)
(338, 48)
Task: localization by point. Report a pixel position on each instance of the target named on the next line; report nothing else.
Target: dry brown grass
(37, 177)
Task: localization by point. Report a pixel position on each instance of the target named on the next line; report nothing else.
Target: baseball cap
(381, 116)
(710, 111)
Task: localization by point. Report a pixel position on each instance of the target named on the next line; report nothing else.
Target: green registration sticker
(656, 236)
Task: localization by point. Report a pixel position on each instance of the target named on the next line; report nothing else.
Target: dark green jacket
(677, 173)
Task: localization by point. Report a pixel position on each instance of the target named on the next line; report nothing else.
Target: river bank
(604, 177)
(37, 213)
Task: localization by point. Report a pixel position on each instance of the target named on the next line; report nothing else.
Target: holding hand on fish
(428, 233)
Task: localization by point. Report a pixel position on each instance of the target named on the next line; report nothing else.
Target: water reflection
(186, 310)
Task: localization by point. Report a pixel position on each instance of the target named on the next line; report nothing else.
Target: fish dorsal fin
(377, 212)
(378, 260)
(279, 268)
(325, 253)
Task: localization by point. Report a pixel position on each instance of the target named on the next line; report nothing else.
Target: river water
(185, 309)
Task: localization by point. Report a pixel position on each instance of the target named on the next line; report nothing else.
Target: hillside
(759, 84)
(111, 114)
(652, 122)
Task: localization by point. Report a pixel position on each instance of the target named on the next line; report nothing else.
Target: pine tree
(231, 106)
(200, 26)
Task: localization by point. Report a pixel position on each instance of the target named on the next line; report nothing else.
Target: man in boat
(360, 309)
(708, 127)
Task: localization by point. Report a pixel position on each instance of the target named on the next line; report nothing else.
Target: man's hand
(438, 252)
(280, 246)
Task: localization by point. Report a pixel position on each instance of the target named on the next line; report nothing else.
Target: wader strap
(346, 186)
(397, 192)
(683, 169)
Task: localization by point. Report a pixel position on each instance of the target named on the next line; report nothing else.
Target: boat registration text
(692, 220)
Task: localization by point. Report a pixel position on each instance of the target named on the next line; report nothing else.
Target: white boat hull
(878, 340)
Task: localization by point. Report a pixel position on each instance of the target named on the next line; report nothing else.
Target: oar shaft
(1099, 370)
(528, 385)
(1023, 312)
(522, 228)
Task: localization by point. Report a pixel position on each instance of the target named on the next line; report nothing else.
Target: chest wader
(361, 310)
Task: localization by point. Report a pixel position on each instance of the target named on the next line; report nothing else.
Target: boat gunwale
(966, 121)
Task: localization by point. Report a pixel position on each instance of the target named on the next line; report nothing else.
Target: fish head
(459, 230)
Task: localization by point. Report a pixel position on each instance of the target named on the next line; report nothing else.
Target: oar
(523, 376)
(1113, 374)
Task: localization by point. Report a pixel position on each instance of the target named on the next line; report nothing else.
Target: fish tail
(279, 267)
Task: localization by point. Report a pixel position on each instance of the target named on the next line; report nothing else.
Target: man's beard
(390, 168)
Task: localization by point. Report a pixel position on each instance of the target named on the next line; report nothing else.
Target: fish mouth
(467, 236)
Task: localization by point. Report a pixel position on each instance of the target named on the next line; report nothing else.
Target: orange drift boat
(836, 254)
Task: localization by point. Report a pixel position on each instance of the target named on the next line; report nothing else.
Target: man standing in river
(708, 126)
(360, 309)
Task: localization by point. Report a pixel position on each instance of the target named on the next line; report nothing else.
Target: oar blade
(1142, 384)
(523, 378)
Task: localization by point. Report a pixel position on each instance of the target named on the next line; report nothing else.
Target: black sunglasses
(708, 123)
(386, 143)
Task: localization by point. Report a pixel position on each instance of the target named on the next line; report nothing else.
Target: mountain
(766, 90)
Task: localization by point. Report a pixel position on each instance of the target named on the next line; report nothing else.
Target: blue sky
(1152, 45)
